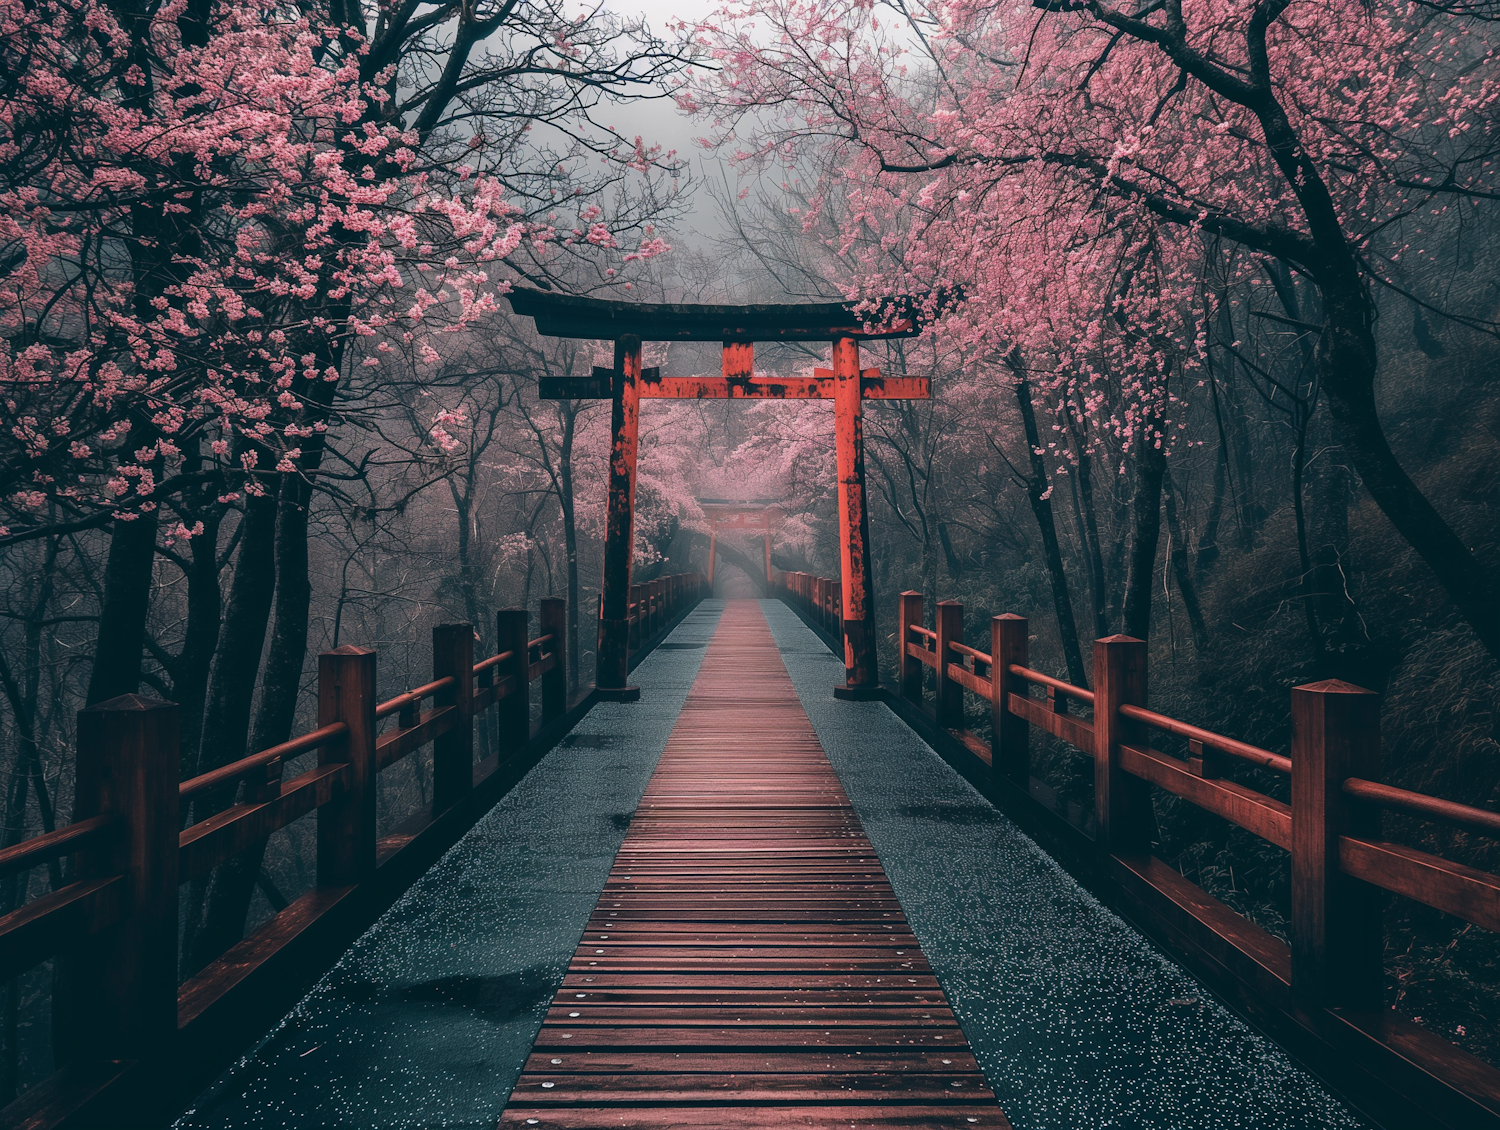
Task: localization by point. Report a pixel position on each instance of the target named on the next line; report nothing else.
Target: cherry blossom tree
(1070, 163)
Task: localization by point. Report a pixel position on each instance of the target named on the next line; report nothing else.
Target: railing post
(116, 990)
(514, 714)
(1010, 753)
(949, 703)
(453, 751)
(1121, 801)
(554, 621)
(1337, 938)
(346, 824)
(909, 668)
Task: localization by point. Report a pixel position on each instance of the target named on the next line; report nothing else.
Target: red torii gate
(738, 328)
(757, 515)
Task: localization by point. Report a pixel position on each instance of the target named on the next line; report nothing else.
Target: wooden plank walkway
(747, 964)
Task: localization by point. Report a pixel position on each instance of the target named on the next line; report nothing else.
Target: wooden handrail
(1243, 750)
(925, 633)
(62, 841)
(539, 641)
(414, 696)
(482, 665)
(237, 771)
(965, 649)
(1082, 694)
(1420, 804)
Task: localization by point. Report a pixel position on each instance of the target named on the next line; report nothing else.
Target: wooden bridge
(741, 903)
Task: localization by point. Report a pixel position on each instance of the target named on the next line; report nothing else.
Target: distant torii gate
(756, 515)
(738, 328)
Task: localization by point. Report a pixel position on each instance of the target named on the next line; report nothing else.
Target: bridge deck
(1074, 1018)
(747, 963)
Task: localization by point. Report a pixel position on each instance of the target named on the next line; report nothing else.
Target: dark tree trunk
(1208, 541)
(204, 599)
(281, 682)
(127, 599)
(1329, 485)
(1083, 501)
(1038, 492)
(1150, 467)
(1182, 568)
(226, 722)
(570, 536)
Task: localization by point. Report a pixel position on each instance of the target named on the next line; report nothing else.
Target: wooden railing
(1339, 861)
(655, 604)
(820, 599)
(113, 926)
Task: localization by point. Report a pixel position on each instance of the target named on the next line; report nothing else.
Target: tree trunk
(1150, 467)
(226, 721)
(127, 599)
(1346, 355)
(570, 538)
(191, 668)
(1208, 541)
(281, 684)
(1182, 568)
(1083, 504)
(1039, 493)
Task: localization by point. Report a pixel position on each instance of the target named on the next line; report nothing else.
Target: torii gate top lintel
(738, 328)
(601, 319)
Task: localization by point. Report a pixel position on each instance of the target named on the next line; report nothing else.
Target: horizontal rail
(482, 665)
(1432, 880)
(548, 638)
(1419, 804)
(221, 837)
(1070, 729)
(47, 925)
(1243, 750)
(965, 649)
(50, 845)
(1268, 818)
(392, 747)
(966, 678)
(414, 696)
(917, 651)
(236, 771)
(926, 633)
(1082, 694)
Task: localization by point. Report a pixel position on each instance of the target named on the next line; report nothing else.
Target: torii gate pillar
(861, 673)
(614, 597)
(738, 328)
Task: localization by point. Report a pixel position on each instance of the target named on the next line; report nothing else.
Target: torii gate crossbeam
(738, 328)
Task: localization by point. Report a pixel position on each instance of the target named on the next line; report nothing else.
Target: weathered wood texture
(747, 963)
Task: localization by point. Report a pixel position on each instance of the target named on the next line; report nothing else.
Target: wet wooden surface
(747, 964)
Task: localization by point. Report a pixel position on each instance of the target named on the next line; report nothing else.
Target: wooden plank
(392, 747)
(1268, 818)
(1064, 726)
(846, 1116)
(970, 681)
(1451, 887)
(45, 925)
(208, 843)
(747, 952)
(219, 978)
